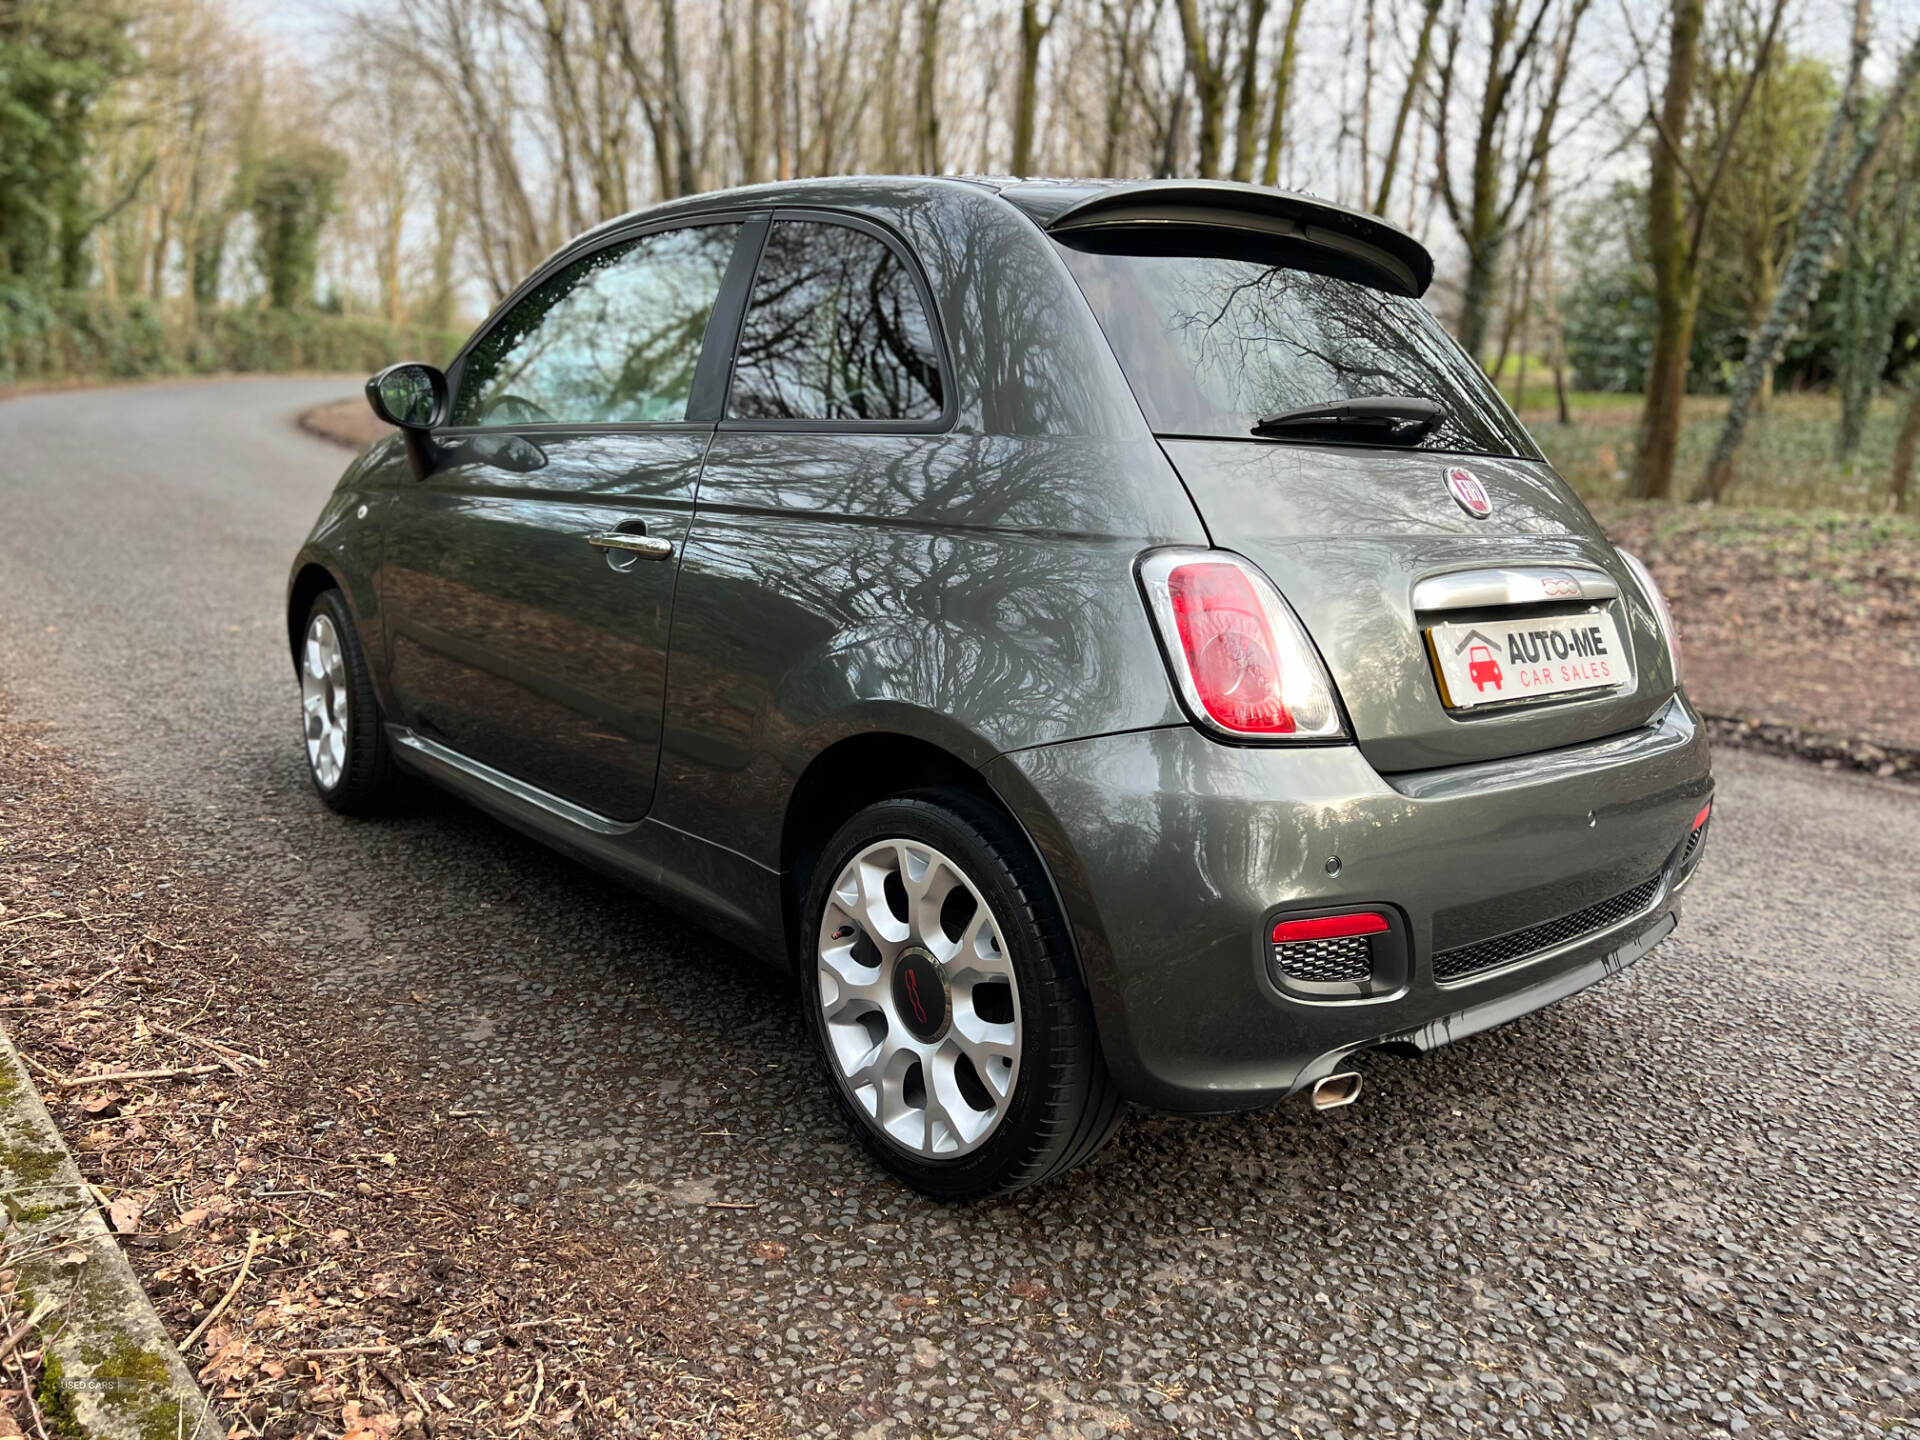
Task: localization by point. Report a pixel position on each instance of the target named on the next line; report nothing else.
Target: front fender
(344, 549)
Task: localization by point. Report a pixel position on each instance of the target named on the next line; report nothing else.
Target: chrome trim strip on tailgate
(1513, 585)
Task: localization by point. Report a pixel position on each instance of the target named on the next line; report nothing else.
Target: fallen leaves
(124, 1214)
(1792, 620)
(300, 1207)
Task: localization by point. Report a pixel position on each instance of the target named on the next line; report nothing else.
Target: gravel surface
(1684, 1202)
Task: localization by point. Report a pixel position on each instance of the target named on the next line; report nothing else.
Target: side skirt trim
(435, 758)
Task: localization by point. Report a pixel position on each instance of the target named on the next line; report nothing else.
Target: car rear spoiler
(1400, 262)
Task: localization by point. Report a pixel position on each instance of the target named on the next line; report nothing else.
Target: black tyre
(940, 983)
(348, 758)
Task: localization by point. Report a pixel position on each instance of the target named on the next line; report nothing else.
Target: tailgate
(1348, 533)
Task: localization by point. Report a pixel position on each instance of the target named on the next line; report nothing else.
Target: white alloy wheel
(323, 698)
(921, 1008)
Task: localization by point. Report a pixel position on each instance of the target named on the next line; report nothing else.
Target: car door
(529, 579)
(821, 509)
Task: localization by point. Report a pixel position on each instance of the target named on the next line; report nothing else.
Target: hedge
(73, 335)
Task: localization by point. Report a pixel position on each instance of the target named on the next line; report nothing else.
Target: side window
(613, 339)
(834, 331)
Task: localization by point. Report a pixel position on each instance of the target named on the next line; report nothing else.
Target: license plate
(1493, 662)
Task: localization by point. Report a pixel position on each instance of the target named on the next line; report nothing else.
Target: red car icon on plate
(1483, 669)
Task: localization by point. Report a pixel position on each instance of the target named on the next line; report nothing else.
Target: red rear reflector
(1231, 652)
(1329, 927)
(1701, 818)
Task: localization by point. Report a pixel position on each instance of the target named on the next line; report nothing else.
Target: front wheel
(942, 989)
(347, 755)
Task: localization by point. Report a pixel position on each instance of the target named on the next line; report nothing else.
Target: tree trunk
(1209, 88)
(777, 91)
(926, 114)
(1676, 288)
(1827, 208)
(1900, 482)
(1282, 91)
(1549, 300)
(683, 174)
(1509, 318)
(1477, 296)
(1245, 108)
(1366, 101)
(756, 97)
(1416, 77)
(1033, 33)
(1890, 288)
(1117, 109)
(1170, 137)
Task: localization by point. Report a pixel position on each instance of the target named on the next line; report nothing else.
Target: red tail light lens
(1701, 818)
(1230, 650)
(1239, 655)
(1330, 927)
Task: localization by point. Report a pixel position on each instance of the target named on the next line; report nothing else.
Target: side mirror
(410, 395)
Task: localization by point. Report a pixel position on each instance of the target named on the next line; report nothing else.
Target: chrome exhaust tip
(1336, 1090)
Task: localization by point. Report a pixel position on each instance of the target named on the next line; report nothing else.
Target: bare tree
(1215, 54)
(1282, 90)
(926, 107)
(1513, 133)
(1679, 202)
(1036, 20)
(1409, 94)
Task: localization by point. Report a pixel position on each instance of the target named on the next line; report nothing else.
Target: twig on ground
(254, 1240)
(230, 1056)
(190, 1072)
(539, 1384)
(98, 980)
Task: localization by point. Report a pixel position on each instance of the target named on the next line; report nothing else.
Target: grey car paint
(856, 608)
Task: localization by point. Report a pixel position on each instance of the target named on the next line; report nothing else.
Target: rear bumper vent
(1344, 954)
(1324, 961)
(1466, 960)
(1693, 845)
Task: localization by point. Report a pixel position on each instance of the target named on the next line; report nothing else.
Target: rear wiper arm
(1391, 419)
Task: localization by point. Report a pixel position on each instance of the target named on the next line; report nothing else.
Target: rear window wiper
(1387, 419)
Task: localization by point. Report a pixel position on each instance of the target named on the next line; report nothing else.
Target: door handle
(645, 546)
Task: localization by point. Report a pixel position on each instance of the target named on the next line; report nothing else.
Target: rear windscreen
(1214, 338)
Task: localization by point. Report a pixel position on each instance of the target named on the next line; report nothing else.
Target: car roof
(1059, 206)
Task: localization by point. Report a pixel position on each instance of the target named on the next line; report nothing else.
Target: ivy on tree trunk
(1831, 198)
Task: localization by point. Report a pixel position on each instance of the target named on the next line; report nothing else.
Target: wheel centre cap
(920, 994)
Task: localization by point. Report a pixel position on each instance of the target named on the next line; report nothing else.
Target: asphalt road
(1687, 1200)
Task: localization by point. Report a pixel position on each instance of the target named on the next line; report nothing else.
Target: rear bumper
(1173, 854)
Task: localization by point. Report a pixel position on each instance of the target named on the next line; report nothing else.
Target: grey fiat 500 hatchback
(1106, 638)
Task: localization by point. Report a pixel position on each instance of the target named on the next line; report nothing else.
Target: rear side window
(614, 338)
(835, 330)
(1214, 342)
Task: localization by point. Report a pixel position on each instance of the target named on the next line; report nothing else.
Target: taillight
(1239, 656)
(1668, 630)
(1330, 927)
(1705, 811)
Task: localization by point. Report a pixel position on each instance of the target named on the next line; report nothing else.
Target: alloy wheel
(918, 994)
(323, 698)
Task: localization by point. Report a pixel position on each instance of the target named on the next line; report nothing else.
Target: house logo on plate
(1471, 494)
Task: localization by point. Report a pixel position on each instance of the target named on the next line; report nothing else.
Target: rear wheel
(941, 987)
(347, 754)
